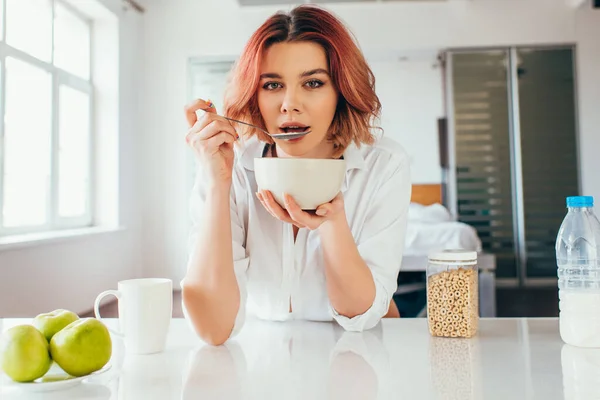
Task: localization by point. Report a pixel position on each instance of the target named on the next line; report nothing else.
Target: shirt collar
(253, 148)
(354, 158)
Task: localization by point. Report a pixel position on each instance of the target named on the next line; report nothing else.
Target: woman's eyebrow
(314, 72)
(270, 75)
(273, 75)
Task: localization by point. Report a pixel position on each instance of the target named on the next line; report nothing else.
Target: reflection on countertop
(398, 359)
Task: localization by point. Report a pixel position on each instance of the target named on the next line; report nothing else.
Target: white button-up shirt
(275, 272)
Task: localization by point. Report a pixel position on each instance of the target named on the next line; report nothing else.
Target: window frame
(59, 78)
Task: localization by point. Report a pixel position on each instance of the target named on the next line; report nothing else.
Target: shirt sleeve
(381, 244)
(240, 257)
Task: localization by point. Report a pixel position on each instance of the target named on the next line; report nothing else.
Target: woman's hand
(212, 139)
(293, 214)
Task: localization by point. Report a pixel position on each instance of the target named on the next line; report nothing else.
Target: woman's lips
(294, 130)
(296, 140)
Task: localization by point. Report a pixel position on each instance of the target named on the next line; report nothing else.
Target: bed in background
(430, 228)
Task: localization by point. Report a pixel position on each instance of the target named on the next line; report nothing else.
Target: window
(46, 97)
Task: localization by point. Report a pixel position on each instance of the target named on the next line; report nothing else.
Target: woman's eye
(271, 85)
(313, 84)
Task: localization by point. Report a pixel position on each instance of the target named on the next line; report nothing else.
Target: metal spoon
(283, 136)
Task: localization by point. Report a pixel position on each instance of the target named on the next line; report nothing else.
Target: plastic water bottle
(581, 373)
(578, 258)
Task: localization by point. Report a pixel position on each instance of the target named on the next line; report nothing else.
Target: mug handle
(115, 293)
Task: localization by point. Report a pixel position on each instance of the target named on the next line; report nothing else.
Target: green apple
(82, 347)
(51, 323)
(24, 353)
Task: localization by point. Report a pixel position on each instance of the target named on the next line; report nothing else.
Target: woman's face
(296, 90)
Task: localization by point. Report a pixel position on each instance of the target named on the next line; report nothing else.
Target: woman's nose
(291, 102)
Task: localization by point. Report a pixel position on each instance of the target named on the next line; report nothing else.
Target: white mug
(145, 310)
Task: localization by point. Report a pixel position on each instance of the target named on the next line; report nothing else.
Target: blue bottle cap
(580, 201)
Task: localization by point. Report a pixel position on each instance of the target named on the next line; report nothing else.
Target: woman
(248, 253)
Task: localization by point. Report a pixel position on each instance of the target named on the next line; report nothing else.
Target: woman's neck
(326, 150)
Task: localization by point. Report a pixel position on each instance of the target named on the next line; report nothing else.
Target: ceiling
(278, 2)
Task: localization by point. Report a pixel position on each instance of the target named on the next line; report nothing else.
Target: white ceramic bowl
(310, 181)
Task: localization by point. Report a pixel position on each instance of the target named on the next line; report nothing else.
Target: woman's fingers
(263, 201)
(324, 210)
(211, 145)
(198, 104)
(207, 132)
(219, 139)
(216, 126)
(298, 214)
(200, 131)
(275, 209)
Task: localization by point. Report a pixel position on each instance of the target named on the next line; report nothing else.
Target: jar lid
(454, 255)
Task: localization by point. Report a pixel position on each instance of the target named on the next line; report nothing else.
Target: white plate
(59, 380)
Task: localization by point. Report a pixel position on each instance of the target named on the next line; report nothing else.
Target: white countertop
(510, 359)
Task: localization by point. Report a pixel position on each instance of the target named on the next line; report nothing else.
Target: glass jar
(453, 293)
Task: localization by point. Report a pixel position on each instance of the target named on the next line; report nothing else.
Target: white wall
(70, 272)
(178, 29)
(411, 95)
(587, 34)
